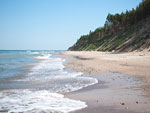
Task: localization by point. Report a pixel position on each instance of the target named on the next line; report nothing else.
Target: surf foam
(50, 78)
(50, 74)
(45, 56)
(39, 101)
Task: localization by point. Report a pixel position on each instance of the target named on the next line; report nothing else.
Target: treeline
(125, 19)
(118, 30)
(129, 17)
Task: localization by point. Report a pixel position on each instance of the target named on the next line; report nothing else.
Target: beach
(74, 82)
(35, 82)
(75, 56)
(123, 81)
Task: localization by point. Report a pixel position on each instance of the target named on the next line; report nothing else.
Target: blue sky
(53, 24)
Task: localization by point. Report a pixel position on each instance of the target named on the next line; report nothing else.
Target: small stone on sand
(122, 103)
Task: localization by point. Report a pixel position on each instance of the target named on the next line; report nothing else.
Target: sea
(34, 81)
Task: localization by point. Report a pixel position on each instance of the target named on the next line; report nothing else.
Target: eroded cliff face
(119, 39)
(127, 31)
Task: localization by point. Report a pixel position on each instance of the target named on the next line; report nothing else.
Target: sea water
(34, 81)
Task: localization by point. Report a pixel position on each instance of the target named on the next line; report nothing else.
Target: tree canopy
(129, 17)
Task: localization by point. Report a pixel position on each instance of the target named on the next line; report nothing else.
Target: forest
(127, 31)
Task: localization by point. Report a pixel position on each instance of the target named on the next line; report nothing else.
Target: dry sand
(134, 63)
(124, 81)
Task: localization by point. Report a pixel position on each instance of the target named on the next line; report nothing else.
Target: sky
(53, 24)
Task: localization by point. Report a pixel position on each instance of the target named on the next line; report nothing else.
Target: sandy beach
(124, 81)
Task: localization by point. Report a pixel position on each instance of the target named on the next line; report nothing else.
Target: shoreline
(132, 63)
(115, 92)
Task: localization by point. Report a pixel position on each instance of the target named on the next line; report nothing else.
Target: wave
(34, 53)
(50, 78)
(39, 101)
(50, 74)
(45, 56)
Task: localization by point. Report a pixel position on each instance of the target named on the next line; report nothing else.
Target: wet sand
(124, 81)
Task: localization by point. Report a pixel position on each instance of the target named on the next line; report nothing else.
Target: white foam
(39, 101)
(48, 74)
(30, 52)
(48, 65)
(50, 68)
(45, 56)
(51, 71)
(34, 53)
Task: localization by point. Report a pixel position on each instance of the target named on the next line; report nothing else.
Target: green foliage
(130, 17)
(90, 47)
(117, 30)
